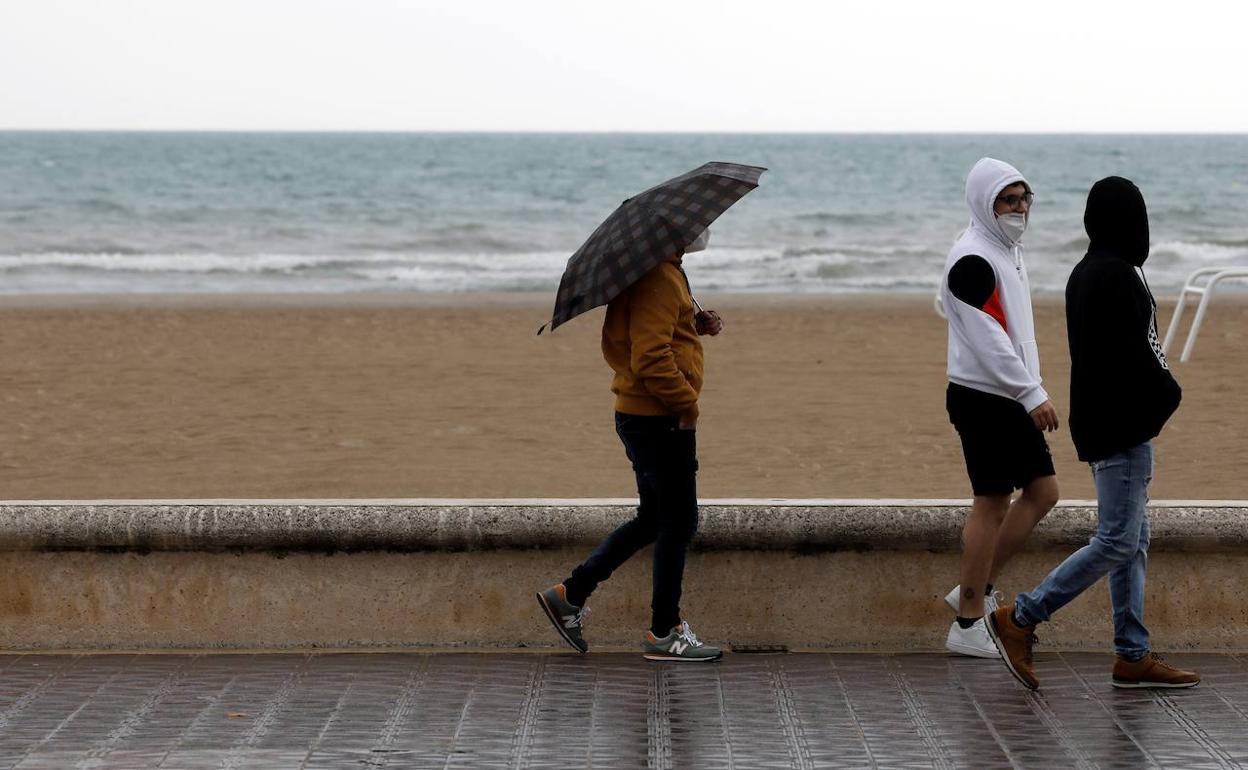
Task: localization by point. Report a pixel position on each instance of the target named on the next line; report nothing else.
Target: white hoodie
(993, 348)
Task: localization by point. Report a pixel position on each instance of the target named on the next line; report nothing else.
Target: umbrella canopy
(645, 230)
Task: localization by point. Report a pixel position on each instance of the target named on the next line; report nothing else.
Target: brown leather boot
(1151, 671)
(1015, 645)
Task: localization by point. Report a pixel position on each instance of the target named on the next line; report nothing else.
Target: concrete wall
(829, 574)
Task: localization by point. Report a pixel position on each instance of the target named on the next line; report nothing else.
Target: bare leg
(1037, 499)
(979, 538)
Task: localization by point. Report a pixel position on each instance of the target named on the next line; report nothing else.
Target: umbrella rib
(664, 219)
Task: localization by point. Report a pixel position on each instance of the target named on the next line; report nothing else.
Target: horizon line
(613, 132)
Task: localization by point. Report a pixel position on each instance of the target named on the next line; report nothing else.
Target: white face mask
(699, 243)
(1012, 225)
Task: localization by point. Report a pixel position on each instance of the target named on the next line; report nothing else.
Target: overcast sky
(642, 65)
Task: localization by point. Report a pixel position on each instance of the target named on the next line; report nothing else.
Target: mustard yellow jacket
(649, 339)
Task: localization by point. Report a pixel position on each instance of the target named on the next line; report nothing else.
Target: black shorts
(1004, 449)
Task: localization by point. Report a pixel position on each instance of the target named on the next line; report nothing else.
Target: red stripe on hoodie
(994, 308)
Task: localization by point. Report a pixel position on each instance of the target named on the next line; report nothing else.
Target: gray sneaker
(567, 618)
(680, 645)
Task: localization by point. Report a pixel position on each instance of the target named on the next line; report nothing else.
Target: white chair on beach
(1201, 282)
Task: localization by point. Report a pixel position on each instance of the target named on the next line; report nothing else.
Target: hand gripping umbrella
(645, 230)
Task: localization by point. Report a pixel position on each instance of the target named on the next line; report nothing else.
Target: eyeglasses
(1012, 201)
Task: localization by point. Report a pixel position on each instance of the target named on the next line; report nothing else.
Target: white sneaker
(991, 602)
(973, 641)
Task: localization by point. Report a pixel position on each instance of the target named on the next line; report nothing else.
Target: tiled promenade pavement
(411, 710)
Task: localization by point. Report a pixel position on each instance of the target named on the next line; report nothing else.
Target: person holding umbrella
(650, 340)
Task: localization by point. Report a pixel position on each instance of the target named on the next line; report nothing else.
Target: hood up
(1117, 220)
(987, 179)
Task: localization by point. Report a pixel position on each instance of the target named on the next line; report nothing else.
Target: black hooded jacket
(1121, 389)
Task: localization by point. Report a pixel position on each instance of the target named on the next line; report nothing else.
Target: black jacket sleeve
(1122, 390)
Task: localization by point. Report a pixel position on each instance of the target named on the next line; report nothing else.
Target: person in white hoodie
(995, 398)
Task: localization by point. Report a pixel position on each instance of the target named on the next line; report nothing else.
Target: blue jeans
(664, 459)
(1118, 549)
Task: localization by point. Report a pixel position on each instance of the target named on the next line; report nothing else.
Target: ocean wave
(1202, 253)
(179, 263)
(102, 206)
(856, 267)
(54, 250)
(842, 218)
(265, 272)
(864, 254)
(464, 241)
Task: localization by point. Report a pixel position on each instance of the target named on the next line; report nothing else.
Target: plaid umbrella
(645, 230)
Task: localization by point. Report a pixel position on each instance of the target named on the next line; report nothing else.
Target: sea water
(306, 212)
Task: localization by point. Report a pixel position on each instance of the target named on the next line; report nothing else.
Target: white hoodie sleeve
(976, 314)
(998, 361)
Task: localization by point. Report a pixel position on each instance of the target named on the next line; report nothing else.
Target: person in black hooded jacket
(1121, 394)
(1121, 389)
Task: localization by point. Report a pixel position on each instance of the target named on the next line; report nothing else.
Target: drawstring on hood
(987, 179)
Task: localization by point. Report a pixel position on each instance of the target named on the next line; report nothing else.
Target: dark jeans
(664, 458)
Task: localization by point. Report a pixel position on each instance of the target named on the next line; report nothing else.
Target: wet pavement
(516, 710)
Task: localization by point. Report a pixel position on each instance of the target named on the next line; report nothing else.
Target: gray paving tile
(414, 710)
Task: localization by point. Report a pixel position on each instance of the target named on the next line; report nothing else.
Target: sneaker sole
(992, 633)
(972, 652)
(1152, 685)
(554, 621)
(679, 658)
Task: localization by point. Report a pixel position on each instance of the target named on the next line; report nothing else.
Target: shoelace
(686, 633)
(577, 619)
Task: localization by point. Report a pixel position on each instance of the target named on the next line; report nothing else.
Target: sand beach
(422, 395)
